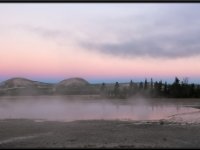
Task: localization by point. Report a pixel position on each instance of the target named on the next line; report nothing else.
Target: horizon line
(107, 81)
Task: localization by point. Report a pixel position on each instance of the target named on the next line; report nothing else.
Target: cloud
(44, 31)
(157, 30)
(157, 46)
(172, 31)
(60, 36)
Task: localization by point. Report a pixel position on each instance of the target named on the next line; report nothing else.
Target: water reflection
(66, 109)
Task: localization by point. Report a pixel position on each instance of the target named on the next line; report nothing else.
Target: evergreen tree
(175, 88)
(192, 90)
(131, 87)
(141, 86)
(155, 91)
(116, 89)
(185, 88)
(151, 83)
(198, 91)
(103, 88)
(176, 82)
(145, 84)
(160, 86)
(165, 89)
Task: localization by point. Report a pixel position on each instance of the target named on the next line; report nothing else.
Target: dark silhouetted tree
(145, 84)
(160, 86)
(192, 90)
(185, 88)
(140, 86)
(165, 89)
(116, 89)
(155, 91)
(131, 86)
(103, 89)
(175, 89)
(151, 83)
(198, 91)
(177, 81)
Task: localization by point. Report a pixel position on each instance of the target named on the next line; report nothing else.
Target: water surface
(55, 108)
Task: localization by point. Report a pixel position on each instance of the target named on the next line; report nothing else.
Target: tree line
(178, 89)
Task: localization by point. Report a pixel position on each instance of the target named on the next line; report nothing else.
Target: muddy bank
(98, 134)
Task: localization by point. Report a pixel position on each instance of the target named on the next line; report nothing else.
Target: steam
(55, 108)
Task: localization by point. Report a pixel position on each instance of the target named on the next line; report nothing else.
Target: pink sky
(95, 44)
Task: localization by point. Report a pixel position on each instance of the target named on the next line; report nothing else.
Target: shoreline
(98, 96)
(23, 133)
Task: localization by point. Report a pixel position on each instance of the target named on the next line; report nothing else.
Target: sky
(100, 42)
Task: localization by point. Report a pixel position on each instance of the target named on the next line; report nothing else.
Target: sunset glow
(99, 42)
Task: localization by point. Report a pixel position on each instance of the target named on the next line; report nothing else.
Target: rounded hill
(17, 82)
(73, 82)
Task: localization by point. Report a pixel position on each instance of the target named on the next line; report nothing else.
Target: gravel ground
(16, 133)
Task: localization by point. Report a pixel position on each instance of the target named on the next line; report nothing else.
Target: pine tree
(145, 84)
(151, 83)
(116, 89)
(141, 86)
(165, 89)
(175, 90)
(103, 88)
(131, 87)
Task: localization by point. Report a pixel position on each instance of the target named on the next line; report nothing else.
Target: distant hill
(74, 86)
(21, 82)
(23, 86)
(71, 86)
(71, 82)
(16, 82)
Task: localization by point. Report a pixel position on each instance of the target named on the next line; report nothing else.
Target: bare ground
(16, 133)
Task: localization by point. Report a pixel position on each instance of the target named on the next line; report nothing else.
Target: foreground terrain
(16, 133)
